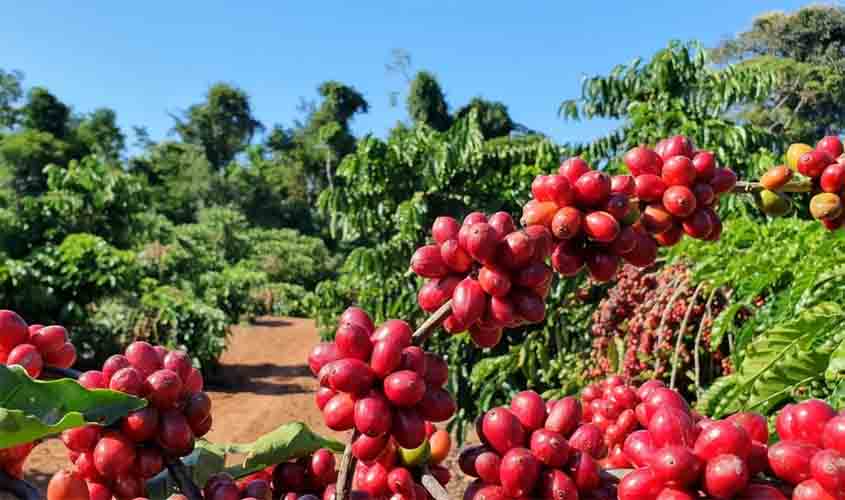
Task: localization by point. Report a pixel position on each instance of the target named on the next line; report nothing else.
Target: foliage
(782, 277)
(46, 113)
(288, 441)
(805, 47)
(11, 92)
(426, 102)
(493, 117)
(34, 409)
(25, 154)
(223, 125)
(677, 92)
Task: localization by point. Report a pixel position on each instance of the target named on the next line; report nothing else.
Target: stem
(347, 468)
(18, 487)
(680, 334)
(427, 328)
(183, 479)
(660, 327)
(433, 486)
(791, 187)
(708, 313)
(57, 372)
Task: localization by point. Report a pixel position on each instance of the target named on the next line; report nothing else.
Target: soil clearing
(264, 382)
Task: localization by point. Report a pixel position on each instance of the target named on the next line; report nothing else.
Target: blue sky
(150, 58)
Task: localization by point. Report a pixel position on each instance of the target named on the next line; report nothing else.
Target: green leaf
(836, 366)
(289, 441)
(723, 322)
(34, 409)
(292, 440)
(790, 354)
(720, 398)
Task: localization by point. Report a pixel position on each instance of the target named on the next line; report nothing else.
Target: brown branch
(791, 187)
(433, 486)
(347, 468)
(18, 487)
(680, 334)
(183, 479)
(431, 323)
(708, 313)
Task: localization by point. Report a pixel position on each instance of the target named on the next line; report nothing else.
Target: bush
(230, 289)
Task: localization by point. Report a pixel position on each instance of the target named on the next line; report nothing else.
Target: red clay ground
(266, 383)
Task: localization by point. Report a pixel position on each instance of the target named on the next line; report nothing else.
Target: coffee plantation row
(133, 428)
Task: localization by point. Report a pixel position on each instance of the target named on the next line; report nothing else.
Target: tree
(45, 112)
(10, 93)
(493, 117)
(25, 155)
(99, 132)
(678, 91)
(807, 50)
(179, 178)
(426, 102)
(223, 125)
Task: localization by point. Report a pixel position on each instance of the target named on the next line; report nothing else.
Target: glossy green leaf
(33, 409)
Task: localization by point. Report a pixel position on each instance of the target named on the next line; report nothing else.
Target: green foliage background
(233, 218)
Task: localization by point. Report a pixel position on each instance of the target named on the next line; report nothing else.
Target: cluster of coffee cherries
(677, 188)
(117, 460)
(375, 381)
(565, 449)
(33, 346)
(304, 478)
(811, 452)
(30, 347)
(592, 218)
(824, 165)
(495, 275)
(397, 472)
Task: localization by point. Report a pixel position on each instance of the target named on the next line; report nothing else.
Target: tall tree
(806, 49)
(493, 117)
(45, 112)
(426, 102)
(11, 92)
(223, 125)
(100, 134)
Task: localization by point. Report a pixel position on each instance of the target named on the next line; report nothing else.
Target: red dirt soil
(265, 382)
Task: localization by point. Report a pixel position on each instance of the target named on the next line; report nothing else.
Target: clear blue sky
(150, 58)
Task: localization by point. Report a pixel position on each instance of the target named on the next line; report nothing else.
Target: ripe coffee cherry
(549, 447)
(649, 188)
(494, 281)
(813, 163)
(408, 428)
(141, 425)
(573, 169)
(13, 330)
(321, 355)
(639, 484)
(519, 472)
(28, 357)
(67, 485)
(468, 302)
(175, 435)
(679, 201)
(725, 476)
(678, 171)
(642, 160)
(528, 407)
(724, 179)
(704, 163)
(592, 189)
(601, 226)
(353, 341)
(81, 439)
(444, 229)
(197, 409)
(566, 223)
(49, 338)
(180, 363)
(373, 414)
(428, 263)
(790, 460)
(436, 405)
(114, 454)
(113, 364)
(128, 380)
(675, 466)
(165, 389)
(502, 223)
(455, 257)
(143, 358)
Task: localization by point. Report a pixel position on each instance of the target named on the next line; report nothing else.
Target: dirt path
(266, 382)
